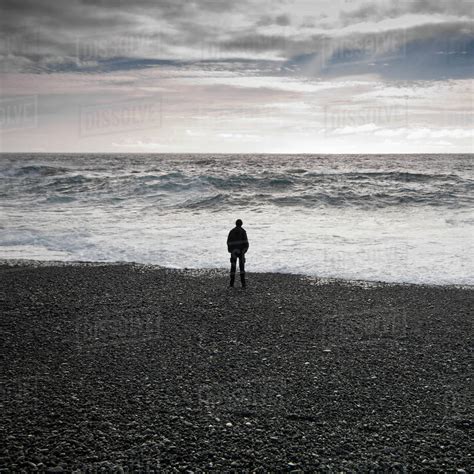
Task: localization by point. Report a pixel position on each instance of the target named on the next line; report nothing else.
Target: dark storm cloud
(34, 34)
(37, 33)
(109, 35)
(373, 11)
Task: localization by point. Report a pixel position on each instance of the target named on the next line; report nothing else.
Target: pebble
(316, 416)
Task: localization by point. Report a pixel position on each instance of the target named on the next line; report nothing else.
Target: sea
(391, 218)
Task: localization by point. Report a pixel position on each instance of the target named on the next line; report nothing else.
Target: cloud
(295, 70)
(443, 133)
(378, 11)
(435, 51)
(337, 40)
(424, 133)
(280, 20)
(368, 127)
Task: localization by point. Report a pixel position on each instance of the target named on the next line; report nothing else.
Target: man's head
(238, 223)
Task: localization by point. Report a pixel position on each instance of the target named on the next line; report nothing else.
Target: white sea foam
(397, 219)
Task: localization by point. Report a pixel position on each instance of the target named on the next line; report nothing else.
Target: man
(237, 245)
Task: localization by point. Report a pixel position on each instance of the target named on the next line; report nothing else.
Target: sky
(237, 76)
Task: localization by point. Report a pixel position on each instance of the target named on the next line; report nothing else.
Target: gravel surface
(130, 368)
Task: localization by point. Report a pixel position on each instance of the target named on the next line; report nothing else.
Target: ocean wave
(34, 171)
(383, 175)
(60, 199)
(208, 202)
(397, 218)
(161, 177)
(212, 182)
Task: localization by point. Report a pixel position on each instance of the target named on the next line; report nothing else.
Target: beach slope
(133, 367)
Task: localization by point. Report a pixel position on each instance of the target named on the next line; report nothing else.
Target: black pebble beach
(132, 368)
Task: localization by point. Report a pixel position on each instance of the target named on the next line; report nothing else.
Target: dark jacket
(237, 240)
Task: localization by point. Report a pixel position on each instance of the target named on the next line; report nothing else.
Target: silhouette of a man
(237, 245)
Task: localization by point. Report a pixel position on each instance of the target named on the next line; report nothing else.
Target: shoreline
(124, 367)
(316, 154)
(33, 263)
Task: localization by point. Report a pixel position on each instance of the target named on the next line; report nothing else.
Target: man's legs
(242, 269)
(233, 264)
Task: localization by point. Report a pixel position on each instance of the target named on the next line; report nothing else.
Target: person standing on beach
(237, 245)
